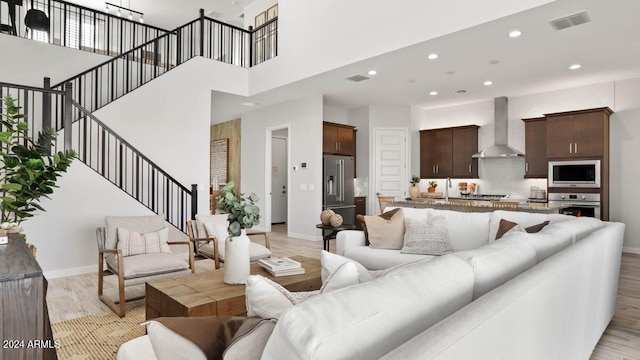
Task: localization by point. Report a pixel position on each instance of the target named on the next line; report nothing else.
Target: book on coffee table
(287, 272)
(278, 263)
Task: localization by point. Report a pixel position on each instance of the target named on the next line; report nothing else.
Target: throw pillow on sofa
(198, 337)
(507, 226)
(268, 300)
(386, 215)
(386, 232)
(330, 262)
(426, 238)
(135, 243)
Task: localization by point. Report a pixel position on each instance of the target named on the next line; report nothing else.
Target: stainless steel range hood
(500, 148)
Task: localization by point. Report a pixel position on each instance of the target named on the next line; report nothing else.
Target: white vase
(236, 259)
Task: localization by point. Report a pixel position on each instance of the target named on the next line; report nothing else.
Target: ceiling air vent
(571, 20)
(357, 78)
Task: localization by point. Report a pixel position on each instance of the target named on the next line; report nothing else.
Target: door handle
(336, 146)
(526, 167)
(575, 147)
(470, 169)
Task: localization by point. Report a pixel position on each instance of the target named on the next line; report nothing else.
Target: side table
(329, 232)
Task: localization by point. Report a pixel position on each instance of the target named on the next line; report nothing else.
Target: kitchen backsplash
(497, 176)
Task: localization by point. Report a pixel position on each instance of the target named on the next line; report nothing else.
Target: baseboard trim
(631, 250)
(70, 272)
(304, 237)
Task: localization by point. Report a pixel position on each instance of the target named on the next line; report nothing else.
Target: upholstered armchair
(208, 245)
(136, 250)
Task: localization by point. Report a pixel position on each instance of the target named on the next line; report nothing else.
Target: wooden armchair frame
(120, 308)
(196, 237)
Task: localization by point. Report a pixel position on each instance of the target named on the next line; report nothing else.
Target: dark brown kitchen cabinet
(338, 139)
(465, 144)
(447, 152)
(535, 139)
(578, 134)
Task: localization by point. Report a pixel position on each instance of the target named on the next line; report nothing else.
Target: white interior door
(278, 180)
(390, 164)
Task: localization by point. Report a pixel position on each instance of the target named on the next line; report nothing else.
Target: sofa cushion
(141, 224)
(331, 262)
(370, 319)
(425, 238)
(381, 259)
(467, 230)
(135, 243)
(249, 341)
(194, 338)
(499, 262)
(550, 240)
(580, 227)
(147, 264)
(385, 233)
(268, 300)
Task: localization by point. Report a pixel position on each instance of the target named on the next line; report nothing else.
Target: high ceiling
(608, 48)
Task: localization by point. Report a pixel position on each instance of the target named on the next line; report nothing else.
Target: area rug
(97, 336)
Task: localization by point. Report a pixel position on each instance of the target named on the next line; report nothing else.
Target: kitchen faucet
(447, 185)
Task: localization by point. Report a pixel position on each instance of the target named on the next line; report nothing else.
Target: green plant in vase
(242, 211)
(432, 186)
(28, 170)
(414, 190)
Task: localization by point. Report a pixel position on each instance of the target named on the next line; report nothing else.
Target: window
(72, 36)
(40, 35)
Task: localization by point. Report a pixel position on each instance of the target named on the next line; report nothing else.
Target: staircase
(69, 105)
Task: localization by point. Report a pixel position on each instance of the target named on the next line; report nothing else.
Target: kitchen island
(474, 205)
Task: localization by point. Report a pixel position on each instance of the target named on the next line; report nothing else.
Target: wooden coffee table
(206, 294)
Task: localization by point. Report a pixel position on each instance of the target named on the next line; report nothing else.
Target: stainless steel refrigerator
(337, 179)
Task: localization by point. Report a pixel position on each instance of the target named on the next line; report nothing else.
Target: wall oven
(585, 204)
(574, 173)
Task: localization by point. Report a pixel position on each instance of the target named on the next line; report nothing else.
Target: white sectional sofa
(544, 295)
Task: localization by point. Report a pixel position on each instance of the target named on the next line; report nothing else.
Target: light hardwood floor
(76, 296)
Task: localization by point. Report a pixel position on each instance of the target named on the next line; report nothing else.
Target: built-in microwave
(574, 173)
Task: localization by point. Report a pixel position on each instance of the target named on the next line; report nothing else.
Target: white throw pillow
(268, 299)
(426, 238)
(331, 262)
(135, 243)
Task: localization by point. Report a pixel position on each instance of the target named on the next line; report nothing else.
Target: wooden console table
(206, 294)
(26, 331)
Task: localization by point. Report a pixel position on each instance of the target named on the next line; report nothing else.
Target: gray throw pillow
(425, 238)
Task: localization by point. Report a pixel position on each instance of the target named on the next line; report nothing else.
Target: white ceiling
(608, 48)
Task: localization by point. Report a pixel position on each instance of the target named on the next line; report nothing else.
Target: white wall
(335, 115)
(168, 120)
(304, 118)
(506, 175)
(27, 62)
(317, 36)
(359, 118)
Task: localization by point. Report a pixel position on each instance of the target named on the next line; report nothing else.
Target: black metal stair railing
(206, 37)
(76, 26)
(111, 156)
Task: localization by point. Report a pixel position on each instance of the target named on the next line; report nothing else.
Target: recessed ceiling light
(433, 93)
(488, 83)
(372, 72)
(515, 33)
(575, 67)
(433, 56)
(249, 103)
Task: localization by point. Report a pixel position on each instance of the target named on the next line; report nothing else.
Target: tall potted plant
(243, 213)
(28, 170)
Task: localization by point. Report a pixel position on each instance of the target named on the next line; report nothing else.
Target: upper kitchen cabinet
(465, 144)
(447, 152)
(578, 134)
(536, 163)
(338, 139)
